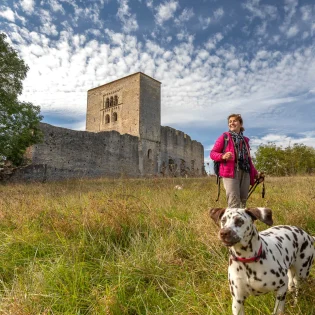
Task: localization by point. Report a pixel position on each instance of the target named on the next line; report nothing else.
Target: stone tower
(129, 105)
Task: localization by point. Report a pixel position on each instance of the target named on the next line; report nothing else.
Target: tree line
(297, 159)
(19, 121)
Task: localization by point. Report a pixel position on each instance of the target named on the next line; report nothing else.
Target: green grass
(132, 246)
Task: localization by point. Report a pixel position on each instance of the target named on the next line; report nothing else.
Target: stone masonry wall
(72, 154)
(177, 148)
(66, 153)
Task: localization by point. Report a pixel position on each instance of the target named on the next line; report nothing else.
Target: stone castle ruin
(123, 136)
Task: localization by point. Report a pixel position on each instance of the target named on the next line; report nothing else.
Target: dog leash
(251, 190)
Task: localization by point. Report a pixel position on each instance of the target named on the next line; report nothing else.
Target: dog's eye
(238, 222)
(223, 221)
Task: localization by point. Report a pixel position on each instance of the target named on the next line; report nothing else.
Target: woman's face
(234, 124)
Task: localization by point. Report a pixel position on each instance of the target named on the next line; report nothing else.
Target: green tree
(298, 159)
(19, 121)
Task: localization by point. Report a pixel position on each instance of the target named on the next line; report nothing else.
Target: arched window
(115, 117)
(107, 119)
(149, 154)
(115, 100)
(107, 103)
(111, 102)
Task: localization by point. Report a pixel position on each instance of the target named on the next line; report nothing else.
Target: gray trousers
(237, 189)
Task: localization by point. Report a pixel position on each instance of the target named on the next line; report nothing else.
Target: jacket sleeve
(216, 152)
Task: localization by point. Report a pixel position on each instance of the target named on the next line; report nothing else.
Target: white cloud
(27, 6)
(56, 6)
(149, 3)
(128, 20)
(282, 140)
(212, 42)
(205, 22)
(256, 9)
(218, 14)
(306, 12)
(166, 11)
(185, 16)
(8, 14)
(292, 31)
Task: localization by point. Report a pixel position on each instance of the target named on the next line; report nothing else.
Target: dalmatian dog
(272, 260)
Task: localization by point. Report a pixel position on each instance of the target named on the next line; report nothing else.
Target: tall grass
(132, 246)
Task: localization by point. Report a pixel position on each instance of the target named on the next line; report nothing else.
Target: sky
(213, 57)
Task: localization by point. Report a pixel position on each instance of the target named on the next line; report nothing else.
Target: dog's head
(237, 224)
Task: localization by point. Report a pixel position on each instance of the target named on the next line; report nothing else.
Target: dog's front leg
(280, 301)
(238, 306)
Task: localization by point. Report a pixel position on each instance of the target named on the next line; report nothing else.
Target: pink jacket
(227, 168)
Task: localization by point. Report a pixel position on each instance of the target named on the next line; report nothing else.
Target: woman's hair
(239, 118)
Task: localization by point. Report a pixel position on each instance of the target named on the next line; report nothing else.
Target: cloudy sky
(213, 57)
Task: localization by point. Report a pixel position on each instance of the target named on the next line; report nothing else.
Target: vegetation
(131, 246)
(298, 159)
(18, 120)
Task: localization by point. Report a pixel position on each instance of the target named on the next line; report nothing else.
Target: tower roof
(141, 73)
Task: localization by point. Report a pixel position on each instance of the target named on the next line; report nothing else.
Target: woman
(236, 167)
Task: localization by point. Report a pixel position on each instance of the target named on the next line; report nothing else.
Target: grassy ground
(131, 246)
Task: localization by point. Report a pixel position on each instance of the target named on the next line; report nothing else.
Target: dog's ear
(216, 214)
(262, 214)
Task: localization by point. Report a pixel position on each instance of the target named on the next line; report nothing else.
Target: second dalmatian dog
(272, 260)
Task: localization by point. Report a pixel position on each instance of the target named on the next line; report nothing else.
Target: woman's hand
(227, 156)
(260, 176)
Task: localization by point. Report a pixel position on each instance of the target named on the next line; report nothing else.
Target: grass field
(132, 246)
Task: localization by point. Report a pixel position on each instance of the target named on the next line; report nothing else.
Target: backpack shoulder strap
(226, 140)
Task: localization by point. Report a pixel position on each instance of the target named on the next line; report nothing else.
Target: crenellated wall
(177, 148)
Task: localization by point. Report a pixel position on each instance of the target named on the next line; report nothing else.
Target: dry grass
(130, 246)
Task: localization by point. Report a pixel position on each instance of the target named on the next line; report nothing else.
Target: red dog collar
(248, 260)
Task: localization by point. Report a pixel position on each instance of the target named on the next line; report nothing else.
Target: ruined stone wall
(179, 154)
(69, 153)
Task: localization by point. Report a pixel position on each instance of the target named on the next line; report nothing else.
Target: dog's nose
(225, 232)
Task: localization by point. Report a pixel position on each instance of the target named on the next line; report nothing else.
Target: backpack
(216, 164)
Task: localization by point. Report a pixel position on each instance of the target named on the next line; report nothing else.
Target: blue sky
(213, 57)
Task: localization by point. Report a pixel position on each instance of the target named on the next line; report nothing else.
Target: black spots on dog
(303, 247)
(239, 268)
(232, 290)
(238, 222)
(308, 262)
(287, 258)
(281, 297)
(279, 238)
(286, 227)
(276, 273)
(279, 247)
(295, 236)
(302, 256)
(287, 236)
